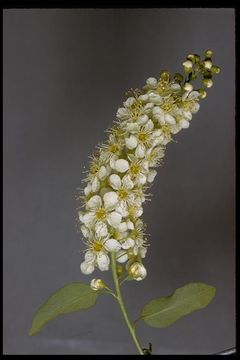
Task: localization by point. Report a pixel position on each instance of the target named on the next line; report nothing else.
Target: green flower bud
(215, 69)
(197, 58)
(202, 93)
(178, 78)
(187, 87)
(97, 284)
(165, 76)
(207, 64)
(191, 57)
(207, 82)
(188, 65)
(207, 74)
(208, 53)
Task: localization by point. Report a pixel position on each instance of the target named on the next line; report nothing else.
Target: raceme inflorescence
(116, 186)
(123, 168)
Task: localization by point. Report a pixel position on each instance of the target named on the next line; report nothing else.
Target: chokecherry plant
(119, 176)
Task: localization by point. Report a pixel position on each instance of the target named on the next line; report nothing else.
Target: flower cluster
(124, 167)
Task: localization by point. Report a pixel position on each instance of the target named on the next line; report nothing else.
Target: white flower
(97, 253)
(124, 192)
(97, 212)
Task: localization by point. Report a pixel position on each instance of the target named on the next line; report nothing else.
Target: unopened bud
(97, 284)
(207, 64)
(187, 65)
(165, 76)
(197, 58)
(178, 78)
(215, 69)
(187, 87)
(207, 82)
(202, 93)
(137, 271)
(191, 57)
(208, 53)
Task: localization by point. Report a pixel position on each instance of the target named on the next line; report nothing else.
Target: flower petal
(142, 119)
(121, 208)
(122, 227)
(94, 202)
(195, 107)
(114, 219)
(128, 243)
(130, 225)
(86, 268)
(151, 175)
(85, 231)
(149, 126)
(102, 173)
(129, 102)
(131, 142)
(112, 245)
(155, 98)
(152, 82)
(103, 261)
(87, 189)
(101, 230)
(193, 95)
(122, 114)
(121, 165)
(141, 179)
(184, 124)
(88, 218)
(127, 182)
(115, 181)
(95, 184)
(187, 115)
(140, 151)
(170, 119)
(110, 199)
(89, 256)
(121, 256)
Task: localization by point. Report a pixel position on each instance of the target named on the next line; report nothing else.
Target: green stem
(121, 304)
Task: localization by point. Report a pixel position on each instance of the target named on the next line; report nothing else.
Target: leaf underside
(164, 311)
(72, 297)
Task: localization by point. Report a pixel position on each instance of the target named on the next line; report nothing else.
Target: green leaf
(164, 311)
(72, 297)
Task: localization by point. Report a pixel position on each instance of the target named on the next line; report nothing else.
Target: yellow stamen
(97, 246)
(122, 194)
(101, 214)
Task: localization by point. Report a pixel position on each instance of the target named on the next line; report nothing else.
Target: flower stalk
(122, 305)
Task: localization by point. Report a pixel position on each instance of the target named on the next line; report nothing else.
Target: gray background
(65, 74)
